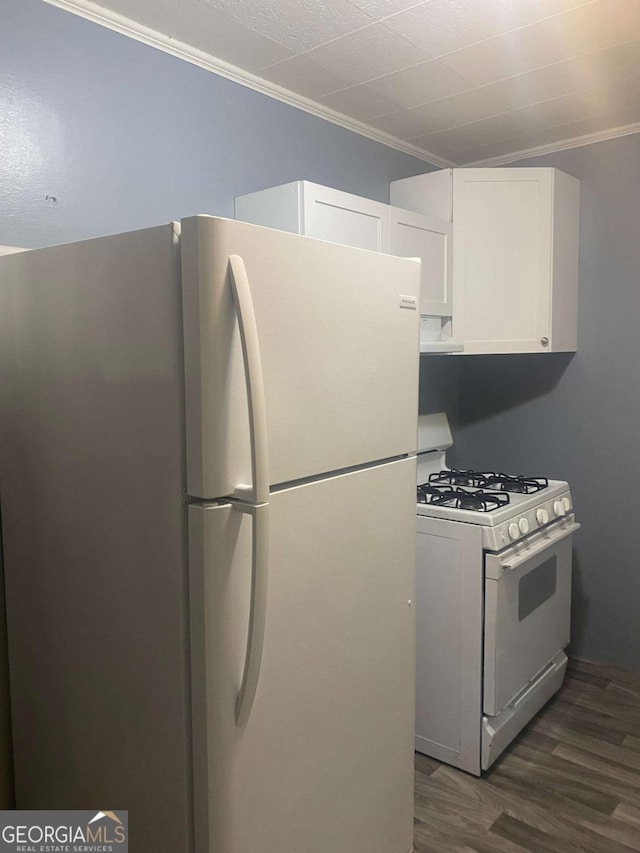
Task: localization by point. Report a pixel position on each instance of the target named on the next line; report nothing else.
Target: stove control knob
(542, 516)
(514, 531)
(558, 509)
(566, 503)
(523, 524)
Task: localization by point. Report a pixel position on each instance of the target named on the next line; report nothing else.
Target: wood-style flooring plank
(573, 737)
(613, 788)
(437, 806)
(428, 838)
(569, 782)
(528, 836)
(569, 821)
(584, 721)
(628, 813)
(603, 766)
(612, 673)
(492, 843)
(632, 742)
(426, 765)
(514, 798)
(612, 724)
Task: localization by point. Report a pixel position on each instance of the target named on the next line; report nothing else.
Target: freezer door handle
(258, 607)
(259, 491)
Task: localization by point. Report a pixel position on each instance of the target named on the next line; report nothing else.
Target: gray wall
(99, 133)
(578, 417)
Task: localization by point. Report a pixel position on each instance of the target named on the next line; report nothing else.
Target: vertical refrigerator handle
(258, 608)
(255, 496)
(259, 491)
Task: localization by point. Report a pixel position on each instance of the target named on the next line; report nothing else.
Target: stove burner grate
(454, 477)
(490, 480)
(516, 484)
(460, 498)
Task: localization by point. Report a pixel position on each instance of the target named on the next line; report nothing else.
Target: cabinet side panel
(449, 612)
(416, 236)
(431, 194)
(276, 207)
(94, 531)
(344, 218)
(566, 235)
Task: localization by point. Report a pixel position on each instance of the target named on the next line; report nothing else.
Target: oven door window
(536, 587)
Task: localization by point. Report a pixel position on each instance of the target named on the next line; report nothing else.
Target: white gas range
(493, 602)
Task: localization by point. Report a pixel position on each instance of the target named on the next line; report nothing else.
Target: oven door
(527, 611)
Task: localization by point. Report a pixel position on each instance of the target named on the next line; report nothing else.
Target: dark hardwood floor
(570, 782)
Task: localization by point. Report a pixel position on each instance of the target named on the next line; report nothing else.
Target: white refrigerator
(207, 469)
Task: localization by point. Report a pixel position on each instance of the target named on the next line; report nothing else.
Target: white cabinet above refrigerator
(329, 214)
(515, 253)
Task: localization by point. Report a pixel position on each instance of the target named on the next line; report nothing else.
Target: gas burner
(427, 493)
(453, 477)
(460, 498)
(511, 483)
(489, 480)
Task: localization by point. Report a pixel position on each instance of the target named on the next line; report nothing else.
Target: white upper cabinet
(412, 235)
(515, 253)
(328, 214)
(316, 211)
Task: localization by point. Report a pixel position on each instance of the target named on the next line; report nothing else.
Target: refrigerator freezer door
(325, 759)
(338, 341)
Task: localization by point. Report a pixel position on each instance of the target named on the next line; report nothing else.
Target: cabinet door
(502, 258)
(412, 235)
(345, 218)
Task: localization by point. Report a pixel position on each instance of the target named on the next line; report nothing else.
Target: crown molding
(125, 26)
(564, 145)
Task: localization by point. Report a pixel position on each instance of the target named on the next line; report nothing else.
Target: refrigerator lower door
(337, 334)
(325, 760)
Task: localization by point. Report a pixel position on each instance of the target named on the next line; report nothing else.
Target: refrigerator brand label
(408, 302)
(39, 831)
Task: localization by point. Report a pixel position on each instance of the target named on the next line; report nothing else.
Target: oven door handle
(515, 560)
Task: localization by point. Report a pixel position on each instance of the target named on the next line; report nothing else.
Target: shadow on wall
(579, 606)
(491, 384)
(439, 385)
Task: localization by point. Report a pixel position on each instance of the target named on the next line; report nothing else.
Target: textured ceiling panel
(379, 9)
(297, 24)
(367, 53)
(547, 42)
(420, 84)
(607, 68)
(361, 102)
(197, 23)
(460, 109)
(442, 26)
(306, 77)
(550, 136)
(463, 80)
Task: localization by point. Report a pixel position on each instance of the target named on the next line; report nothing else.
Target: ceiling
(455, 81)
